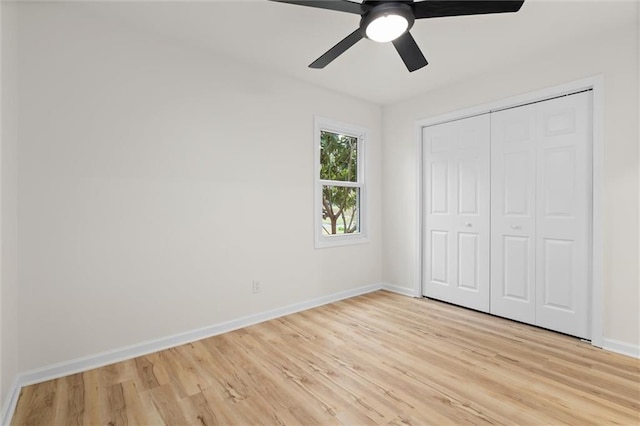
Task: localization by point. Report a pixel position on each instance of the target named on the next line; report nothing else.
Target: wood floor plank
(41, 400)
(140, 409)
(379, 358)
(167, 402)
(199, 412)
(92, 398)
(73, 412)
(114, 410)
(146, 374)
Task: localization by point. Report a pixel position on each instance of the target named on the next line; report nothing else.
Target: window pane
(340, 210)
(338, 157)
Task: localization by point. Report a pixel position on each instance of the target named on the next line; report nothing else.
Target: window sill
(341, 241)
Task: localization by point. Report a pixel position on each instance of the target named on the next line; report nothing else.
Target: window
(340, 191)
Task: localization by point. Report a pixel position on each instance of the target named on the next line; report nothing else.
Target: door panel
(516, 273)
(468, 261)
(559, 176)
(468, 187)
(456, 232)
(439, 257)
(557, 265)
(439, 188)
(516, 182)
(563, 282)
(513, 225)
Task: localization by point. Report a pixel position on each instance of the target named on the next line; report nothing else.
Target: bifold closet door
(456, 212)
(513, 213)
(541, 214)
(563, 202)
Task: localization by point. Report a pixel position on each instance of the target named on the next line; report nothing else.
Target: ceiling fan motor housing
(384, 9)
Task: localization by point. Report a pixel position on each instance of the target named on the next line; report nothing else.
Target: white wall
(8, 201)
(156, 181)
(614, 54)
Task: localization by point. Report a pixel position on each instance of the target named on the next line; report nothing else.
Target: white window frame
(321, 240)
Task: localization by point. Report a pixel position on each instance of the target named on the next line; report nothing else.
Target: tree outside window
(339, 163)
(340, 179)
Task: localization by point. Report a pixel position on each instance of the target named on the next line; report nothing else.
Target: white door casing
(456, 197)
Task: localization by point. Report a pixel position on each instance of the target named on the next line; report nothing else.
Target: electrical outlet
(257, 288)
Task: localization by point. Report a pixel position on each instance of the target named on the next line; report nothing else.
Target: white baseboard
(400, 290)
(105, 358)
(608, 344)
(10, 403)
(621, 347)
(77, 365)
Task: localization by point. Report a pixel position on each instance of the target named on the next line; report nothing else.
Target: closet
(507, 213)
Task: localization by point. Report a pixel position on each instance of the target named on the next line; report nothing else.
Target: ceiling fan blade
(337, 50)
(339, 5)
(410, 52)
(440, 8)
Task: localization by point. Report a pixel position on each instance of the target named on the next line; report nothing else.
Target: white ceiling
(286, 38)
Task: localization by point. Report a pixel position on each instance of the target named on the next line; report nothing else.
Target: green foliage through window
(338, 157)
(339, 163)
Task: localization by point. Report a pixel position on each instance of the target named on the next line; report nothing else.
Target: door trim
(596, 84)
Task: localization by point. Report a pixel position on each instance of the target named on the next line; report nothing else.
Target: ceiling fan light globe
(387, 28)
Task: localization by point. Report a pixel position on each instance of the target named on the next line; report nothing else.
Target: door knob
(516, 227)
(468, 224)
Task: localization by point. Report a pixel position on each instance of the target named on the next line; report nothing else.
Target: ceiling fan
(391, 20)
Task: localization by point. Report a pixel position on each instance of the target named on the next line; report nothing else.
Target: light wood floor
(374, 359)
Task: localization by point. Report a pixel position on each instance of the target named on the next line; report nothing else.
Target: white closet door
(564, 214)
(541, 214)
(513, 210)
(456, 194)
